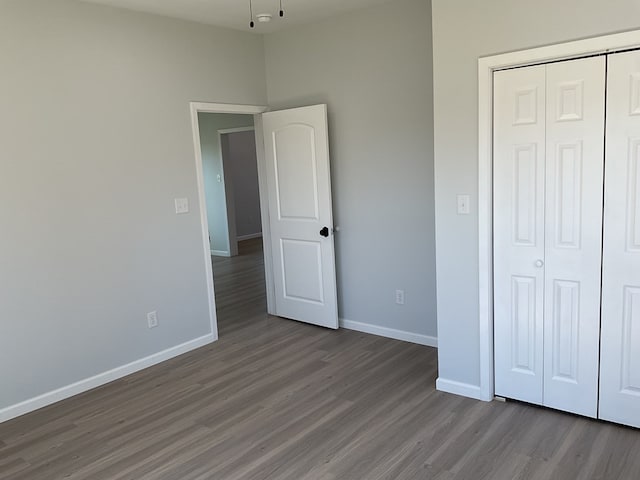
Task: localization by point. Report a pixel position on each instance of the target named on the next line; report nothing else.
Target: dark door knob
(324, 232)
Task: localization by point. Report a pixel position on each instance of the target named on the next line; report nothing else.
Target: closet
(566, 196)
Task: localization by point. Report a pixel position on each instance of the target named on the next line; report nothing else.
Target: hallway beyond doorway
(240, 287)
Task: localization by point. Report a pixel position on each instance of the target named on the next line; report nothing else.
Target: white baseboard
(249, 237)
(389, 333)
(459, 388)
(220, 253)
(102, 378)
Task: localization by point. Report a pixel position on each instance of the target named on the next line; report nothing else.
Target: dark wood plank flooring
(277, 399)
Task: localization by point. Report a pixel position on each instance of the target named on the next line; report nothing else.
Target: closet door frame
(486, 67)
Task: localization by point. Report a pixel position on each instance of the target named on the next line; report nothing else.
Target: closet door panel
(519, 152)
(620, 347)
(573, 233)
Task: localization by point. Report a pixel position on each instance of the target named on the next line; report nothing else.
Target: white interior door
(300, 214)
(573, 233)
(620, 347)
(519, 166)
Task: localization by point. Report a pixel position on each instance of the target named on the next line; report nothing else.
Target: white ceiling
(235, 13)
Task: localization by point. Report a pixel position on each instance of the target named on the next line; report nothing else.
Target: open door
(301, 216)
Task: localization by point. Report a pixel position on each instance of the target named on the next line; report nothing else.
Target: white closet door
(620, 349)
(573, 233)
(519, 153)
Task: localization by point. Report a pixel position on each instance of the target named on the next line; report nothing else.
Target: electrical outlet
(152, 319)
(182, 205)
(400, 297)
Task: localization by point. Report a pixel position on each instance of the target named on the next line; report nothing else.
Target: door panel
(523, 323)
(302, 270)
(573, 233)
(620, 344)
(566, 324)
(519, 152)
(299, 190)
(296, 172)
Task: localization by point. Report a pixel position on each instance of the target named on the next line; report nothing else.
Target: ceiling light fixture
(262, 17)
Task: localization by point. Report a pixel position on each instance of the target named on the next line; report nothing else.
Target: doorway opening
(294, 183)
(229, 161)
(227, 147)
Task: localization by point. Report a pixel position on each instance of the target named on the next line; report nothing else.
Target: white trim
(264, 215)
(224, 131)
(220, 253)
(486, 67)
(459, 388)
(204, 224)
(256, 110)
(485, 232)
(228, 108)
(229, 201)
(249, 237)
(87, 384)
(389, 333)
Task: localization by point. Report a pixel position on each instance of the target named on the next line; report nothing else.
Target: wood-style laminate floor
(277, 399)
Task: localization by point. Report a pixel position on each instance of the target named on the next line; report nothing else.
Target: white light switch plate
(182, 205)
(463, 205)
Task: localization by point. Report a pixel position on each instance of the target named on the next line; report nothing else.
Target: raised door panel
(302, 270)
(568, 226)
(620, 344)
(296, 174)
(525, 198)
(519, 148)
(573, 229)
(629, 351)
(565, 345)
(633, 196)
(523, 325)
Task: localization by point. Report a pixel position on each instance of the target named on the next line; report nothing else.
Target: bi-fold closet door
(548, 196)
(567, 268)
(620, 336)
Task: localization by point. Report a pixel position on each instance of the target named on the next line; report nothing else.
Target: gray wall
(239, 150)
(95, 143)
(373, 69)
(464, 30)
(212, 165)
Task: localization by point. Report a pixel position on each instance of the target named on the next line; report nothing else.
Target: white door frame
(232, 235)
(256, 111)
(486, 67)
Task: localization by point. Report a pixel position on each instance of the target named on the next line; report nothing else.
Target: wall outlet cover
(182, 205)
(152, 319)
